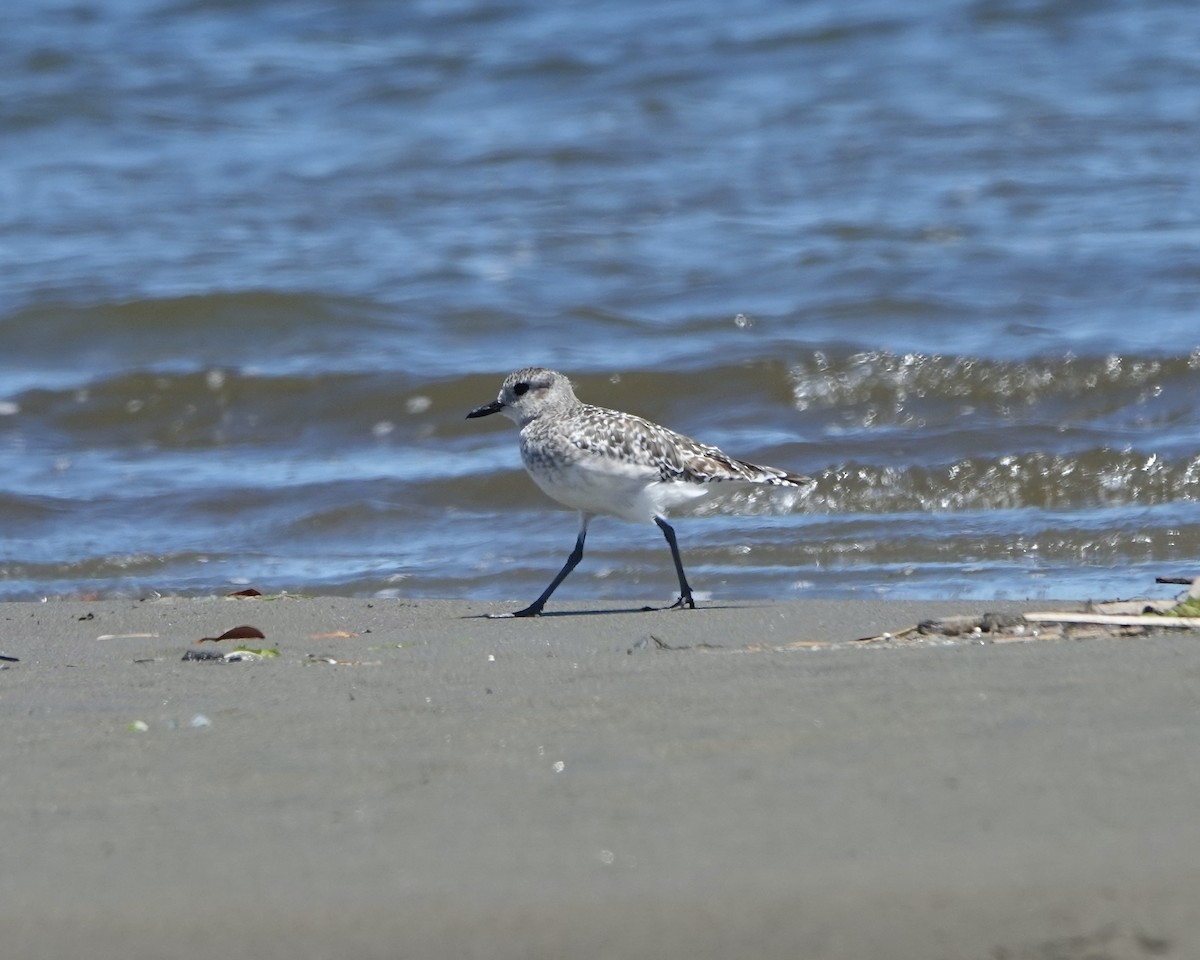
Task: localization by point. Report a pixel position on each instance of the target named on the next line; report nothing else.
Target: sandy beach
(411, 780)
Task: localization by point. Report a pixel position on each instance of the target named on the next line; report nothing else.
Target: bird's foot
(685, 600)
(533, 610)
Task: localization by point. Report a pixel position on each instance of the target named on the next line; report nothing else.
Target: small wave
(53, 344)
(892, 382)
(905, 409)
(1098, 477)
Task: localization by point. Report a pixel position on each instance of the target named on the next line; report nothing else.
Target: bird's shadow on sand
(608, 611)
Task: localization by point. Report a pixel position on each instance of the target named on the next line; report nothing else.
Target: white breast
(600, 485)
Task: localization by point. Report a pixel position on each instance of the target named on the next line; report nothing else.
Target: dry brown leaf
(244, 632)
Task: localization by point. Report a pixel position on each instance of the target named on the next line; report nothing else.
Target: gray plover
(603, 461)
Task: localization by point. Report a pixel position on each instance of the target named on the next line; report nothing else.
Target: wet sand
(568, 787)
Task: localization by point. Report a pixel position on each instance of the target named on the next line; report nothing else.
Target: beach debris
(251, 655)
(1159, 621)
(799, 645)
(988, 623)
(206, 656)
(1192, 583)
(7, 659)
(967, 628)
(334, 635)
(263, 653)
(198, 722)
(1186, 608)
(237, 655)
(244, 632)
(126, 636)
(252, 593)
(661, 644)
(1130, 617)
(339, 661)
(87, 616)
(1117, 618)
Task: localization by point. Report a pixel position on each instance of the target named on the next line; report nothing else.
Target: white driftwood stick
(1116, 620)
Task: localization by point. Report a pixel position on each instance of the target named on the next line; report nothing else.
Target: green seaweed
(1186, 608)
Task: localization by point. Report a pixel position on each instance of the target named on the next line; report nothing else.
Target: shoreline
(407, 778)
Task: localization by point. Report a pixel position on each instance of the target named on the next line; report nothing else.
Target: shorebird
(602, 461)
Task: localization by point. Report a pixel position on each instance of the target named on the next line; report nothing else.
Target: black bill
(487, 409)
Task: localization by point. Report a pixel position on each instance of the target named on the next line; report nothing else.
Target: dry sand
(566, 787)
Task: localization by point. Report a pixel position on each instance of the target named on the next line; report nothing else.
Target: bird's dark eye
(520, 389)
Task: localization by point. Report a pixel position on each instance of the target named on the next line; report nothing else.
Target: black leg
(685, 592)
(535, 608)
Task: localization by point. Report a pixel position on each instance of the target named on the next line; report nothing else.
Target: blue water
(260, 259)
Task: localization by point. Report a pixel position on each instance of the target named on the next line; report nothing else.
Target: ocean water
(261, 258)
